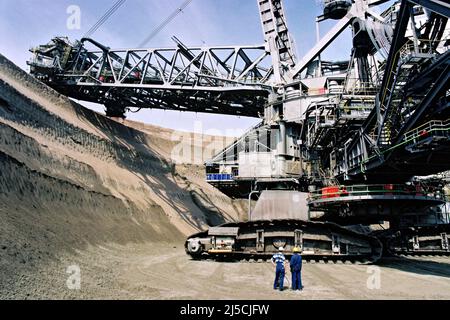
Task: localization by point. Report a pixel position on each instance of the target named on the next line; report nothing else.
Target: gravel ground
(165, 272)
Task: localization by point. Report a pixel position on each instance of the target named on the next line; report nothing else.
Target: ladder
(276, 36)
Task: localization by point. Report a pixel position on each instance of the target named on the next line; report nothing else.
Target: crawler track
(419, 241)
(257, 241)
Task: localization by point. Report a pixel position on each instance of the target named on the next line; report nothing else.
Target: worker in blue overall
(296, 270)
(279, 261)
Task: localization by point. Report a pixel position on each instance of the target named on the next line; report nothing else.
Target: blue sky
(27, 23)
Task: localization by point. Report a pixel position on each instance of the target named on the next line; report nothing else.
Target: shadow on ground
(422, 266)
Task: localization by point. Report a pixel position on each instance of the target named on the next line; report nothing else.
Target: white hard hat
(280, 249)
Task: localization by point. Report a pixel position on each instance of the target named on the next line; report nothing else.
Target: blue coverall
(296, 270)
(279, 271)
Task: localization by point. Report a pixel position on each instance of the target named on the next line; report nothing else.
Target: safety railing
(405, 54)
(358, 87)
(219, 177)
(421, 47)
(363, 109)
(431, 128)
(334, 192)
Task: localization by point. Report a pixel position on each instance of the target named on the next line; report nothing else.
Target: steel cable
(172, 16)
(104, 18)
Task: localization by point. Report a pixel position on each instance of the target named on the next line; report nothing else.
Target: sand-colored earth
(117, 201)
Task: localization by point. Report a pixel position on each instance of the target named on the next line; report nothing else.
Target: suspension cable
(104, 18)
(159, 28)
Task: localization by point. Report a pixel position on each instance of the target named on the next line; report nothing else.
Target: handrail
(397, 57)
(367, 88)
(386, 189)
(432, 125)
(408, 139)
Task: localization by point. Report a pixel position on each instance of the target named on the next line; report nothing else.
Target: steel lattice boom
(227, 80)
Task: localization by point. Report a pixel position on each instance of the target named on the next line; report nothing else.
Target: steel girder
(231, 80)
(276, 35)
(362, 161)
(359, 10)
(199, 68)
(441, 7)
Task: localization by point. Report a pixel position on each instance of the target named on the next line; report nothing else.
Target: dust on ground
(165, 272)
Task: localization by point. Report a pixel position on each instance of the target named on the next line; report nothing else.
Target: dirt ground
(165, 272)
(169, 274)
(82, 195)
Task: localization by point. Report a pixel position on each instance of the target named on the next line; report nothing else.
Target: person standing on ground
(279, 261)
(296, 270)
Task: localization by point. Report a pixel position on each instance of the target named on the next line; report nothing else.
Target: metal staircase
(395, 103)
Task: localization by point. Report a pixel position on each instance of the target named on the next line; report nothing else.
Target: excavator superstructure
(341, 145)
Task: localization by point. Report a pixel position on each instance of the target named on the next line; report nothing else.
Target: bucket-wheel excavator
(342, 146)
